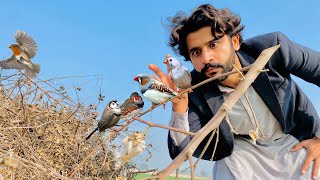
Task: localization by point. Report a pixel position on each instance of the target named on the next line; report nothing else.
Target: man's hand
(178, 104)
(313, 150)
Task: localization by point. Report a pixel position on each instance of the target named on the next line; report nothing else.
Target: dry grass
(42, 134)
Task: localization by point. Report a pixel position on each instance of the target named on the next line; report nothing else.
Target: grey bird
(132, 106)
(110, 117)
(155, 91)
(179, 74)
(23, 52)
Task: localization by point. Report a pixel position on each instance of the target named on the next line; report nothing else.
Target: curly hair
(222, 21)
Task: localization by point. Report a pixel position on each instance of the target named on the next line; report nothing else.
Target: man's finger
(315, 171)
(157, 70)
(155, 77)
(306, 164)
(297, 147)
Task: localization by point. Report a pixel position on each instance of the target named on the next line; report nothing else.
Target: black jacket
(290, 106)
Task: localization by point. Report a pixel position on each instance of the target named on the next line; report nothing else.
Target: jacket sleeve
(198, 118)
(299, 60)
(174, 150)
(291, 58)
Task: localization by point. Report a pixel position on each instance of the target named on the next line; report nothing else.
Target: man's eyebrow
(213, 40)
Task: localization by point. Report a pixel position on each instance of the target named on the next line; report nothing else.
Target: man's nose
(207, 56)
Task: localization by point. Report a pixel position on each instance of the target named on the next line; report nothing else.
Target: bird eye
(113, 104)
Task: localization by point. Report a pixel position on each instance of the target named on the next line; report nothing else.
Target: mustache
(207, 66)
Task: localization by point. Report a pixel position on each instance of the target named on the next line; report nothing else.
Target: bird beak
(136, 78)
(165, 61)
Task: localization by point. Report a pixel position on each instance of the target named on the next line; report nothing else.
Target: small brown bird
(110, 117)
(132, 106)
(23, 52)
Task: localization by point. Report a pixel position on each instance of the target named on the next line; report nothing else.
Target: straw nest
(42, 134)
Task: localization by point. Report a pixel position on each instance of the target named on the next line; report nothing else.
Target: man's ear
(236, 42)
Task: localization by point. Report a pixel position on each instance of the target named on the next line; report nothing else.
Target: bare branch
(164, 127)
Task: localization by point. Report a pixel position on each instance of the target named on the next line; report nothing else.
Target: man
(274, 109)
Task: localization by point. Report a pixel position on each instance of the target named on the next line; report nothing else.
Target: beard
(225, 68)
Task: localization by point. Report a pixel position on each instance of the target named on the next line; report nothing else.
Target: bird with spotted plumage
(110, 117)
(132, 106)
(179, 74)
(23, 52)
(154, 90)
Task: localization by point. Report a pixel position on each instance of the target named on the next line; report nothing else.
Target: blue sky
(116, 40)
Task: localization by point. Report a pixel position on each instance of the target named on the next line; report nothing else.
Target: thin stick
(164, 127)
(177, 173)
(191, 165)
(145, 171)
(205, 147)
(41, 89)
(216, 144)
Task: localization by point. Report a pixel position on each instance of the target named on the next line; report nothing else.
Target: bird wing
(126, 104)
(26, 43)
(188, 72)
(162, 88)
(11, 63)
(128, 110)
(105, 120)
(31, 73)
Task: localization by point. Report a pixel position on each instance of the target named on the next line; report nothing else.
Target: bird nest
(42, 134)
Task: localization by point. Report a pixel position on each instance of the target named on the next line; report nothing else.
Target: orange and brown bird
(23, 52)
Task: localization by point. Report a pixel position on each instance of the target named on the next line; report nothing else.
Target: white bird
(178, 73)
(155, 91)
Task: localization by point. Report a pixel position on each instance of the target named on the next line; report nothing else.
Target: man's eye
(195, 53)
(213, 45)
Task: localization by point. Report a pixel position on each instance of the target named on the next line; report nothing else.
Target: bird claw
(152, 107)
(127, 120)
(164, 105)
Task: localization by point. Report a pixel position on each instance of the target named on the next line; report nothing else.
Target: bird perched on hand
(132, 106)
(110, 117)
(23, 52)
(178, 73)
(154, 90)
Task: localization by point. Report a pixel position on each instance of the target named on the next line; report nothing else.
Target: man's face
(211, 56)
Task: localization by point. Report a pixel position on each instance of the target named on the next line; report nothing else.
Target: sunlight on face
(211, 56)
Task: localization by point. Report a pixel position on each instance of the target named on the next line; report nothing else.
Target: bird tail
(96, 129)
(36, 68)
(33, 70)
